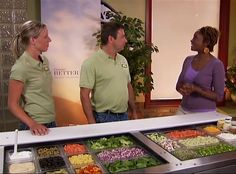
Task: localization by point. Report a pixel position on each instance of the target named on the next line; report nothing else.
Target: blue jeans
(103, 117)
(23, 126)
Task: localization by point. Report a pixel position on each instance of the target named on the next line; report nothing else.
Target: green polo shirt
(37, 94)
(108, 79)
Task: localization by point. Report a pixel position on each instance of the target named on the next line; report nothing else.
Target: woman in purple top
(201, 81)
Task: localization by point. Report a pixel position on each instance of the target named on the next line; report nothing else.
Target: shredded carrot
(71, 149)
(177, 134)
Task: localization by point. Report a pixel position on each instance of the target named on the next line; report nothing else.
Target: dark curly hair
(210, 36)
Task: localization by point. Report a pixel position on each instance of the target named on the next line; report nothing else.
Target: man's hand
(91, 120)
(134, 115)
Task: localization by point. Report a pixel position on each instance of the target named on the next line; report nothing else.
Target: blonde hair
(21, 40)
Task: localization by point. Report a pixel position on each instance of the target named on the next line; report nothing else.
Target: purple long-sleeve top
(211, 77)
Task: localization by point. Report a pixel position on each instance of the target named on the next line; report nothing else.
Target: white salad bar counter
(175, 144)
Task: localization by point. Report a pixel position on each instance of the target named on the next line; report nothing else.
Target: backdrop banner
(71, 25)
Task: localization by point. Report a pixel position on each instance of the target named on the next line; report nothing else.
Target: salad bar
(186, 148)
(190, 143)
(109, 154)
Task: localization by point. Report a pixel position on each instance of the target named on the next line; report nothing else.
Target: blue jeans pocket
(102, 117)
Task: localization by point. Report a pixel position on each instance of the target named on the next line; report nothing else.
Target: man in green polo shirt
(105, 75)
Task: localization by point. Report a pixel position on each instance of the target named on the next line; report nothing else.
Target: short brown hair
(210, 36)
(109, 29)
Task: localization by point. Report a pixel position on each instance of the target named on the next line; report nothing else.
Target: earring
(206, 50)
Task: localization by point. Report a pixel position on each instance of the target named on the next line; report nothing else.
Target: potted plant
(230, 81)
(137, 51)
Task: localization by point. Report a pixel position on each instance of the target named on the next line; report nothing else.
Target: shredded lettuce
(120, 166)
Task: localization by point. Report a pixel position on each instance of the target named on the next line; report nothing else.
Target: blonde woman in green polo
(31, 80)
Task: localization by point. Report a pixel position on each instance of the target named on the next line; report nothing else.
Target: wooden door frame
(222, 51)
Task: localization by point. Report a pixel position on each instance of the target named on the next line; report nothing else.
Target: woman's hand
(185, 89)
(182, 91)
(39, 129)
(188, 88)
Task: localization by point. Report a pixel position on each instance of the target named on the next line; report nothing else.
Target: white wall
(173, 25)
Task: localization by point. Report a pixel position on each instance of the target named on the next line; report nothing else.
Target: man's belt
(110, 112)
